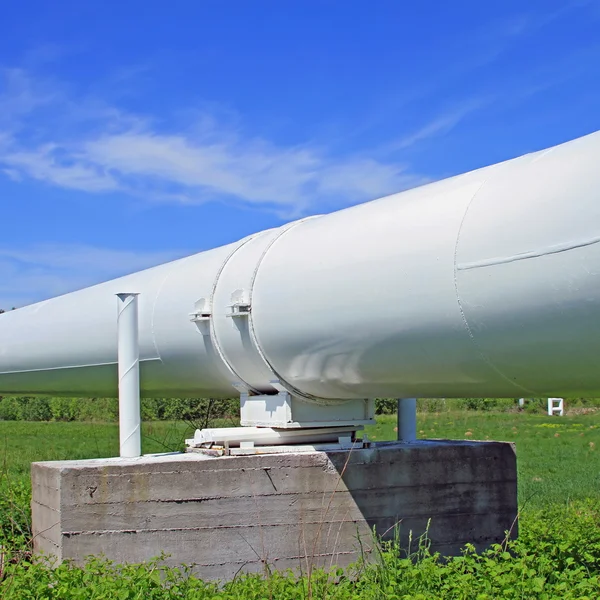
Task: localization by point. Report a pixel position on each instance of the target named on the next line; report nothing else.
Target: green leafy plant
(552, 566)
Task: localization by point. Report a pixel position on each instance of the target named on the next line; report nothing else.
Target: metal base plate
(283, 449)
(248, 437)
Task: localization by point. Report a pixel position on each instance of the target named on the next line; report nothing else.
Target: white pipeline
(482, 285)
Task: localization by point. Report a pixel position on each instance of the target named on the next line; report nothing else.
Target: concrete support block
(294, 510)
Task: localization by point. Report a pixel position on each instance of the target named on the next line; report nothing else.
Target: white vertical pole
(407, 419)
(129, 377)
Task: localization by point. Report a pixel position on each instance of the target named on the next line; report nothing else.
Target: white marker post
(556, 406)
(407, 419)
(130, 443)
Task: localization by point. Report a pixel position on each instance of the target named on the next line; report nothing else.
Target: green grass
(22, 443)
(556, 556)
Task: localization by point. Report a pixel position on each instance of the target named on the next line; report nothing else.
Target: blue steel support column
(407, 419)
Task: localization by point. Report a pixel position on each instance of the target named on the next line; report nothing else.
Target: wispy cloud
(45, 270)
(51, 164)
(19, 96)
(501, 34)
(95, 148)
(440, 125)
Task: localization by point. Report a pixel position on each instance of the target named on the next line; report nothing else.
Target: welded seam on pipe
(155, 303)
(503, 260)
(214, 338)
(133, 366)
(480, 351)
(86, 366)
(290, 388)
(133, 432)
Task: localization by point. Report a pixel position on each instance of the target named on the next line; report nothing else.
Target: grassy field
(557, 554)
(558, 457)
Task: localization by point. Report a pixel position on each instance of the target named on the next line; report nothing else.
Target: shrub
(536, 405)
(153, 409)
(25, 408)
(479, 403)
(433, 405)
(9, 409)
(98, 409)
(200, 412)
(64, 409)
(15, 516)
(386, 406)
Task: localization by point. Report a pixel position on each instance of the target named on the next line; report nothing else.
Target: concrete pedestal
(225, 515)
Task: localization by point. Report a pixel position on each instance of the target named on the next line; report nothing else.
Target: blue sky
(135, 132)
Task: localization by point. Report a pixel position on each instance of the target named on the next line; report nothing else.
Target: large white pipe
(485, 284)
(130, 421)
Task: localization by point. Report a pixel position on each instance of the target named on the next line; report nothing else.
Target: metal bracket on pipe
(201, 316)
(285, 411)
(240, 309)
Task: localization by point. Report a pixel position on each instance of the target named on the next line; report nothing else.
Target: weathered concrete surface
(231, 514)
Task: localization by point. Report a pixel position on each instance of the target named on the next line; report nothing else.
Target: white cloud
(20, 95)
(292, 179)
(49, 164)
(85, 145)
(440, 125)
(46, 270)
(366, 177)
